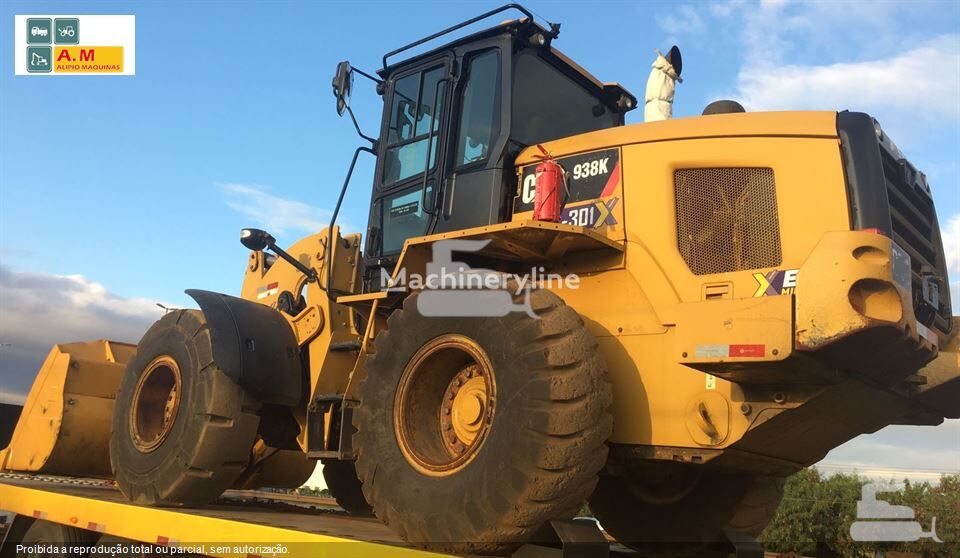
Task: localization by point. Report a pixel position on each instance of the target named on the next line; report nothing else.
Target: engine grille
(911, 213)
(727, 219)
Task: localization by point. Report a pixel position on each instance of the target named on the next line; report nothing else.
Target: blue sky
(117, 192)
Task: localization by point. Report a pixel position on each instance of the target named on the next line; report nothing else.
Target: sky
(119, 192)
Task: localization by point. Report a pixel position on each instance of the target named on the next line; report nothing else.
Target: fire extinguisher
(551, 189)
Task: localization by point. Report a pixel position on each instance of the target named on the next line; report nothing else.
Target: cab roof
(522, 30)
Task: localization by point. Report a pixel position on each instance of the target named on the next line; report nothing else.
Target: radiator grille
(727, 219)
(911, 213)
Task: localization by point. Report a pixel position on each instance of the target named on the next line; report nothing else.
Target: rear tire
(637, 511)
(182, 430)
(540, 429)
(346, 488)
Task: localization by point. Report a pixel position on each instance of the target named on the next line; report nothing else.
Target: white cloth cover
(658, 104)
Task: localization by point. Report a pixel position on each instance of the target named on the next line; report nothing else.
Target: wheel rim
(156, 400)
(444, 405)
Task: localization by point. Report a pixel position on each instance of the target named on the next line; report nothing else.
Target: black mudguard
(254, 346)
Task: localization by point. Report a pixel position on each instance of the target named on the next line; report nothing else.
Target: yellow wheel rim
(156, 400)
(465, 415)
(444, 405)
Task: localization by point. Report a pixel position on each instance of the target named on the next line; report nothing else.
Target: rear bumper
(857, 358)
(854, 308)
(849, 313)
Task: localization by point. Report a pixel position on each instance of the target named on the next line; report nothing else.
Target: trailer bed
(303, 525)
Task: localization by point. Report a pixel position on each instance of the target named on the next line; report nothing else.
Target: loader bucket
(64, 427)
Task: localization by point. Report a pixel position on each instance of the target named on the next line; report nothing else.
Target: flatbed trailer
(242, 523)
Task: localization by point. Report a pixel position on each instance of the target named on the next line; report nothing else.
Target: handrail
(554, 28)
(333, 219)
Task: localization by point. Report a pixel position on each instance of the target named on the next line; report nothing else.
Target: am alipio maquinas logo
(55, 45)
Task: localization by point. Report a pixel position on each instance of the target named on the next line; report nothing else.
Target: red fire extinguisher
(550, 189)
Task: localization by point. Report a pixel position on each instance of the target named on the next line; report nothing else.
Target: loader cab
(455, 118)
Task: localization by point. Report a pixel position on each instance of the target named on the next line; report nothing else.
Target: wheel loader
(751, 290)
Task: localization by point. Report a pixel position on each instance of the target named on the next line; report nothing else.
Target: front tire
(474, 432)
(182, 430)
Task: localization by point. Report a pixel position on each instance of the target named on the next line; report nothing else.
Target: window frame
(427, 66)
(496, 124)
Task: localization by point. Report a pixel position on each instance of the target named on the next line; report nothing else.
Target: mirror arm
(373, 142)
(309, 272)
(376, 80)
(333, 218)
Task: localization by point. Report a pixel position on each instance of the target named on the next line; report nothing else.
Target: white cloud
(38, 310)
(915, 452)
(12, 398)
(950, 235)
(724, 9)
(681, 20)
(277, 215)
(772, 30)
(951, 244)
(923, 83)
(808, 55)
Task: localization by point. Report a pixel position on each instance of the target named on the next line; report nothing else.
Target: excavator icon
(37, 60)
(894, 523)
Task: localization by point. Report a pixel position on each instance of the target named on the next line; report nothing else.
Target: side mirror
(342, 86)
(256, 239)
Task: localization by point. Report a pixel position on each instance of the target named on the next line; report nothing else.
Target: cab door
(475, 188)
(409, 165)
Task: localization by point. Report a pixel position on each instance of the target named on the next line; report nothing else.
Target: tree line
(815, 515)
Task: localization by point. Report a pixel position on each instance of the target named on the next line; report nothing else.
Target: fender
(254, 346)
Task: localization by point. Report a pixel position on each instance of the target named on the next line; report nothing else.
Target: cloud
(808, 55)
(278, 215)
(12, 397)
(923, 82)
(950, 235)
(915, 452)
(38, 310)
(772, 30)
(681, 20)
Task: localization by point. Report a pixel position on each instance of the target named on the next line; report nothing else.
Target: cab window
(548, 105)
(480, 109)
(413, 119)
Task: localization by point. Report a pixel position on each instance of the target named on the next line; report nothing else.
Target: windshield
(548, 105)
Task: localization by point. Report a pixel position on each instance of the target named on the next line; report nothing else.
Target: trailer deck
(251, 524)
(239, 519)
(243, 523)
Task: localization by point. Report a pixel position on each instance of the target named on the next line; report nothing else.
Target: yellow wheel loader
(719, 302)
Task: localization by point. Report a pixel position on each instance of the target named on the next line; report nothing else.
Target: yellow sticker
(88, 59)
(711, 381)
